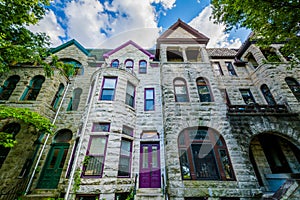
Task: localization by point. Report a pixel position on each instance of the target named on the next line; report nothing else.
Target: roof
(221, 52)
(198, 37)
(69, 43)
(130, 42)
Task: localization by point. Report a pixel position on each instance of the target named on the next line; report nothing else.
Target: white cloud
(50, 26)
(167, 4)
(218, 38)
(84, 20)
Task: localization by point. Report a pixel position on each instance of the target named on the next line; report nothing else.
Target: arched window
(203, 155)
(142, 67)
(203, 90)
(79, 70)
(74, 101)
(58, 96)
(294, 86)
(115, 63)
(8, 87)
(33, 89)
(12, 128)
(267, 94)
(129, 65)
(180, 90)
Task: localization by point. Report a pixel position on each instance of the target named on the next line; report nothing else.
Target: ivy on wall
(29, 117)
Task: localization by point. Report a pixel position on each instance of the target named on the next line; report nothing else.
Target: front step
(41, 194)
(149, 194)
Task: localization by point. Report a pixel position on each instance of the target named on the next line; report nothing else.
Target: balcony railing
(257, 109)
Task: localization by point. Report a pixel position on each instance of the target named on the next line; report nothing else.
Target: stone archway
(275, 159)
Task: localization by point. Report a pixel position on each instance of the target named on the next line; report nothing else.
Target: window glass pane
(149, 105)
(101, 127)
(154, 157)
(107, 94)
(54, 158)
(94, 166)
(62, 162)
(128, 131)
(149, 94)
(124, 166)
(204, 162)
(185, 168)
(126, 148)
(198, 135)
(115, 64)
(225, 163)
(145, 157)
(109, 83)
(97, 146)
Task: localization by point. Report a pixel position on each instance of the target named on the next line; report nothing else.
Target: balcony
(256, 109)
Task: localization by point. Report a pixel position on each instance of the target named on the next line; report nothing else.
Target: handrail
(13, 192)
(256, 108)
(163, 185)
(135, 184)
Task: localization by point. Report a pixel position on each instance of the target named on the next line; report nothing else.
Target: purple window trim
(101, 124)
(130, 67)
(179, 85)
(145, 99)
(109, 77)
(87, 154)
(142, 72)
(130, 157)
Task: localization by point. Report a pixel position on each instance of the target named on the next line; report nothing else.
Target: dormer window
(252, 61)
(129, 65)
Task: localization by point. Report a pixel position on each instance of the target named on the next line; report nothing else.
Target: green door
(54, 164)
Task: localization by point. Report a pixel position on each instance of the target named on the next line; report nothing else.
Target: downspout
(81, 140)
(45, 142)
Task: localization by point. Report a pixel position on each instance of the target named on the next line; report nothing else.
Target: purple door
(149, 165)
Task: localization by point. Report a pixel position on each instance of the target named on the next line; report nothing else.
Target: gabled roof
(130, 42)
(69, 43)
(197, 37)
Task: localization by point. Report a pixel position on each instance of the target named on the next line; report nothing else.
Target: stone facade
(193, 123)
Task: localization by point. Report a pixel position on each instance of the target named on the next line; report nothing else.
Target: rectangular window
(94, 159)
(87, 197)
(108, 88)
(125, 158)
(143, 67)
(127, 131)
(247, 96)
(149, 99)
(101, 127)
(230, 68)
(217, 68)
(130, 94)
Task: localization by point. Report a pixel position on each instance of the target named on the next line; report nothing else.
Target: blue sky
(110, 23)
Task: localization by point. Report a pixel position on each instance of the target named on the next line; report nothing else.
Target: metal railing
(17, 190)
(256, 108)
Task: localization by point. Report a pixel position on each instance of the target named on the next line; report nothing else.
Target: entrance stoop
(149, 194)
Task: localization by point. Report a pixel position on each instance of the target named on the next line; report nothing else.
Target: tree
(272, 21)
(18, 45)
(41, 123)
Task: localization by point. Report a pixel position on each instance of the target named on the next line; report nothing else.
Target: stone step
(41, 194)
(149, 194)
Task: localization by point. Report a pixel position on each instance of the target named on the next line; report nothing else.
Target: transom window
(130, 94)
(149, 99)
(294, 86)
(267, 94)
(203, 155)
(127, 130)
(101, 127)
(125, 158)
(180, 90)
(108, 88)
(8, 87)
(203, 90)
(230, 69)
(94, 159)
(247, 96)
(142, 67)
